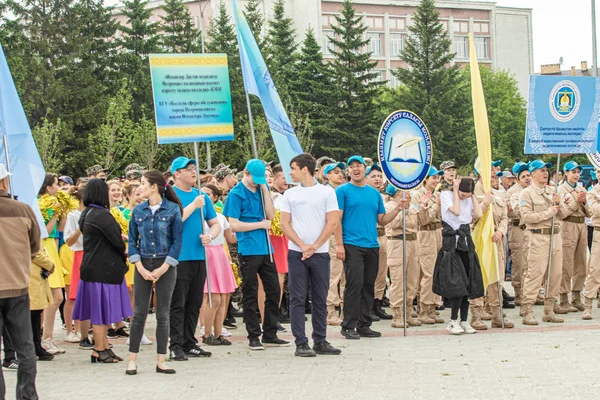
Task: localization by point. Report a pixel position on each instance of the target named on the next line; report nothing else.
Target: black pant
(14, 316)
(461, 303)
(186, 303)
(590, 237)
(263, 266)
(360, 268)
(36, 328)
(316, 271)
(9, 351)
(142, 292)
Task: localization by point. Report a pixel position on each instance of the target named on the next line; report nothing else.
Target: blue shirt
(155, 235)
(192, 249)
(246, 206)
(361, 206)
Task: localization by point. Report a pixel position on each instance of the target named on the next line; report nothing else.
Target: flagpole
(10, 181)
(546, 294)
(404, 261)
(254, 149)
(202, 224)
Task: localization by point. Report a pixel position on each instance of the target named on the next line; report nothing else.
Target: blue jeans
(316, 270)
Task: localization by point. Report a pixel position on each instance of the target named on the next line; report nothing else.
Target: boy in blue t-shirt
(361, 209)
(250, 211)
(191, 270)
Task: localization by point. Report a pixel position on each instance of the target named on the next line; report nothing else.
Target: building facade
(503, 36)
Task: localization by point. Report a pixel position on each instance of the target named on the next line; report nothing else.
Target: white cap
(3, 172)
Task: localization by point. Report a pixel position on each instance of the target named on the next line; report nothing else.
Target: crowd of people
(183, 246)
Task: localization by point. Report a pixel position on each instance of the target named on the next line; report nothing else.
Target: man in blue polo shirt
(250, 218)
(361, 209)
(191, 270)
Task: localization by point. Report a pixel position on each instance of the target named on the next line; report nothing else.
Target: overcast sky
(561, 28)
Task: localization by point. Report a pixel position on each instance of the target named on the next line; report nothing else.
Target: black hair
(48, 181)
(216, 191)
(157, 178)
(277, 169)
(304, 160)
(467, 185)
(96, 192)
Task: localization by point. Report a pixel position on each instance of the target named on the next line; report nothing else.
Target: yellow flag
(482, 235)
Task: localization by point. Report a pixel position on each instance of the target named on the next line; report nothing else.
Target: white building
(503, 36)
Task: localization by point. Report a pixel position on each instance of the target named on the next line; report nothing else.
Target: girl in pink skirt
(222, 280)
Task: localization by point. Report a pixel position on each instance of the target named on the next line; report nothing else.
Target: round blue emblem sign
(564, 101)
(405, 151)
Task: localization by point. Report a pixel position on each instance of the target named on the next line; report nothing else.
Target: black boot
(377, 310)
(233, 312)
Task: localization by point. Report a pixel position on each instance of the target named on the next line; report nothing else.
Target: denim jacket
(155, 236)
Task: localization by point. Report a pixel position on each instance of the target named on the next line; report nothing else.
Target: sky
(561, 28)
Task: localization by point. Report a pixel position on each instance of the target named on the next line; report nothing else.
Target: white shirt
(220, 239)
(466, 210)
(308, 207)
(155, 208)
(71, 227)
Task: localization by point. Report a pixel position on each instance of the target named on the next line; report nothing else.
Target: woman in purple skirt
(102, 295)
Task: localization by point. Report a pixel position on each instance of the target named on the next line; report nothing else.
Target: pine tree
(436, 90)
(352, 128)
(282, 50)
(179, 33)
(256, 22)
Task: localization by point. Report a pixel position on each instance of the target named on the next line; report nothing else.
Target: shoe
(255, 344)
(43, 355)
(284, 319)
(103, 357)
(304, 350)
(454, 328)
(113, 355)
(131, 368)
(375, 317)
(145, 341)
(10, 365)
(222, 341)
(377, 310)
(210, 340)
(508, 306)
(325, 348)
(506, 296)
(234, 312)
(72, 338)
(385, 302)
(280, 328)
(467, 328)
(350, 334)
(168, 371)
(230, 323)
(177, 354)
(440, 308)
(51, 347)
(85, 344)
(197, 351)
(367, 332)
(111, 333)
(275, 342)
(225, 332)
(587, 311)
(121, 332)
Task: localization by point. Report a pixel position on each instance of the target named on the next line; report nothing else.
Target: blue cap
(181, 162)
(391, 190)
(519, 167)
(594, 174)
(374, 167)
(496, 163)
(434, 171)
(357, 158)
(331, 166)
(256, 168)
(538, 164)
(570, 166)
(66, 179)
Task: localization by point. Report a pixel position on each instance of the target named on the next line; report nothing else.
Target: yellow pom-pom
(276, 225)
(118, 216)
(236, 274)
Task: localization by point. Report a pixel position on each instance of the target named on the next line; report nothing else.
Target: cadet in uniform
(592, 285)
(449, 169)
(395, 258)
(429, 239)
(574, 237)
(538, 206)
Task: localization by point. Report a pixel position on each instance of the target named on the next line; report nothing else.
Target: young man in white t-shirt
(309, 214)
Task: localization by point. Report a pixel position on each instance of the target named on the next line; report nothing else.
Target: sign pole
(10, 181)
(552, 230)
(404, 261)
(208, 286)
(208, 156)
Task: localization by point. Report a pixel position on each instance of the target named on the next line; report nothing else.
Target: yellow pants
(537, 267)
(383, 267)
(395, 259)
(574, 266)
(429, 244)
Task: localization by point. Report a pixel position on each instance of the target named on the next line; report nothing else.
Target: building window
(375, 43)
(380, 76)
(461, 46)
(482, 48)
(327, 42)
(397, 44)
(393, 82)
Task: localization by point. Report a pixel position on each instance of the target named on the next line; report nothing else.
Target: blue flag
(25, 164)
(257, 81)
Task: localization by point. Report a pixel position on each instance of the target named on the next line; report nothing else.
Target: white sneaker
(466, 326)
(51, 347)
(145, 341)
(454, 328)
(72, 338)
(225, 332)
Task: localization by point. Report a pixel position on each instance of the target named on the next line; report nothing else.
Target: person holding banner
(592, 284)
(395, 257)
(429, 239)
(250, 211)
(191, 270)
(361, 210)
(539, 205)
(517, 236)
(574, 236)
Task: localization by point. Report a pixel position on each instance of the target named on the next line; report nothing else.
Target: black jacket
(450, 277)
(104, 257)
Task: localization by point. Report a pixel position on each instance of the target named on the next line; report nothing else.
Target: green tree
(179, 33)
(256, 21)
(352, 127)
(282, 50)
(435, 89)
(147, 150)
(49, 140)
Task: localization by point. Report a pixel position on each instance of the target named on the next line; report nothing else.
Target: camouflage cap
(447, 164)
(221, 166)
(368, 161)
(324, 160)
(94, 169)
(224, 172)
(239, 176)
(134, 171)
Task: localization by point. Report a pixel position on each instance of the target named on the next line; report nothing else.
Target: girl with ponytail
(155, 238)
